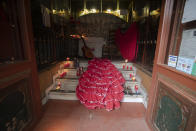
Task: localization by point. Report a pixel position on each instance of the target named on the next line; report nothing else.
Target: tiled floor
(73, 116)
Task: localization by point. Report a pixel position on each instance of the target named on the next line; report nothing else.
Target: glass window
(181, 52)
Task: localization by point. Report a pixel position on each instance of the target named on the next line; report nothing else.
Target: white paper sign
(172, 60)
(185, 64)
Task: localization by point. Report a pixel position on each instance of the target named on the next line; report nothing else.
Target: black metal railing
(147, 44)
(50, 48)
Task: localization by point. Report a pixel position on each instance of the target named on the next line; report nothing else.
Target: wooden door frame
(28, 64)
(160, 68)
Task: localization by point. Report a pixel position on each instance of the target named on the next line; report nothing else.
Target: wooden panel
(16, 105)
(168, 112)
(173, 110)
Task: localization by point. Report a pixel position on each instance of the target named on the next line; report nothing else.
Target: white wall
(93, 42)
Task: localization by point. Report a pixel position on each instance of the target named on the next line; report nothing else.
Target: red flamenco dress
(101, 85)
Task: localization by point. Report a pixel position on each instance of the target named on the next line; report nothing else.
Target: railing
(50, 48)
(146, 44)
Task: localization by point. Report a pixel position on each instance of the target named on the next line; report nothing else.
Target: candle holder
(136, 89)
(58, 86)
(131, 76)
(130, 91)
(127, 90)
(78, 73)
(123, 66)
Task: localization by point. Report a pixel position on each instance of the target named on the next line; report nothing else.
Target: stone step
(83, 64)
(120, 64)
(133, 98)
(70, 73)
(66, 84)
(130, 82)
(67, 64)
(60, 95)
(126, 74)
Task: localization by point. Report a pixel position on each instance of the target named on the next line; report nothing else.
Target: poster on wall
(172, 60)
(185, 64)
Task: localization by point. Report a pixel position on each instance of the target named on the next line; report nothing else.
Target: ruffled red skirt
(101, 85)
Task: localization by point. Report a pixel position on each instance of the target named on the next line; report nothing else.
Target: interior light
(85, 11)
(108, 11)
(118, 11)
(93, 10)
(155, 12)
(54, 11)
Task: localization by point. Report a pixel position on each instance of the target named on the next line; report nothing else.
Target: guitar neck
(83, 41)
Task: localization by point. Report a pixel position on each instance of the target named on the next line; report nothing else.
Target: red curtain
(127, 42)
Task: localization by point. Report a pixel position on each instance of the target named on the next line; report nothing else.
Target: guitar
(87, 52)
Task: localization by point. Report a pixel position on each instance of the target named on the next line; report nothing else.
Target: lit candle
(123, 66)
(133, 78)
(67, 64)
(58, 87)
(59, 83)
(130, 75)
(126, 60)
(63, 74)
(136, 89)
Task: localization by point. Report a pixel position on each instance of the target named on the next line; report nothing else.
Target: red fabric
(127, 42)
(101, 85)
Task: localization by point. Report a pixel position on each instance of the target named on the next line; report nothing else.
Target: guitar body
(87, 52)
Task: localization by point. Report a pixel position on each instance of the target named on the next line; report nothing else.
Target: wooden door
(18, 71)
(172, 98)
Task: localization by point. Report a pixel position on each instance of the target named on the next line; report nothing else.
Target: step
(130, 85)
(83, 64)
(71, 64)
(67, 84)
(72, 96)
(126, 74)
(119, 64)
(62, 96)
(70, 73)
(133, 98)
